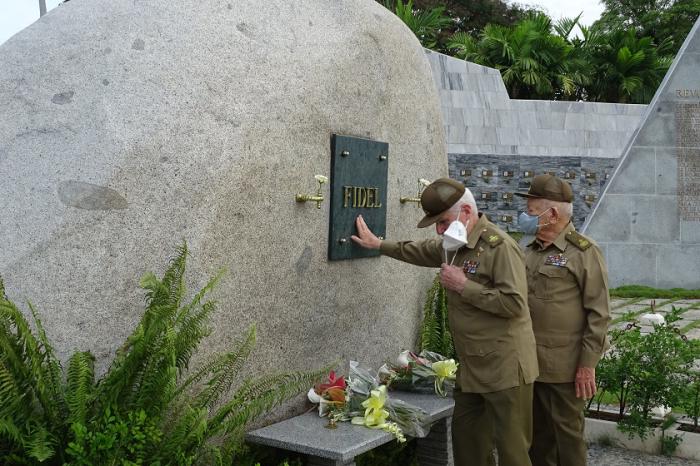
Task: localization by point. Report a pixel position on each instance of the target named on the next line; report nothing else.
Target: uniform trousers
(483, 420)
(558, 423)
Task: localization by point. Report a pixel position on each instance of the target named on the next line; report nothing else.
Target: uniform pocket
(548, 279)
(557, 353)
(485, 360)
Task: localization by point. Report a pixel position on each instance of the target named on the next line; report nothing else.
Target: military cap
(549, 187)
(437, 198)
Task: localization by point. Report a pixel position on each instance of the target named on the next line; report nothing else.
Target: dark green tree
(662, 20)
(627, 69)
(469, 16)
(535, 62)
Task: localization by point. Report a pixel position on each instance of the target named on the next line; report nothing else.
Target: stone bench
(307, 434)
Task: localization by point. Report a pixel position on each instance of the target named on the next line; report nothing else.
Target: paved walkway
(611, 456)
(625, 310)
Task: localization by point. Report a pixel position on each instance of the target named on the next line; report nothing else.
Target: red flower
(333, 382)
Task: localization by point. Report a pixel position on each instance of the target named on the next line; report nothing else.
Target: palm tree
(628, 69)
(532, 60)
(425, 24)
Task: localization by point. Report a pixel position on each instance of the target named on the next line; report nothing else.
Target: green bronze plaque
(359, 171)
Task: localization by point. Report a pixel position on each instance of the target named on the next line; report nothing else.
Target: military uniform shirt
(489, 320)
(569, 304)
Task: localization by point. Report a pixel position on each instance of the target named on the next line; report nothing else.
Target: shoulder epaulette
(492, 237)
(578, 240)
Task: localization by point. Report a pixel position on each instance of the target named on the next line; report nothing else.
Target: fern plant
(435, 330)
(148, 408)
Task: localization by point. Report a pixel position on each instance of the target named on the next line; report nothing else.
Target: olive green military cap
(549, 187)
(437, 198)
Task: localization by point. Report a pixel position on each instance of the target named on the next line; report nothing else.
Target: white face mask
(454, 237)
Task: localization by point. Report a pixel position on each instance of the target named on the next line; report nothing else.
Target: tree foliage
(541, 60)
(665, 21)
(451, 16)
(148, 408)
(645, 371)
(615, 60)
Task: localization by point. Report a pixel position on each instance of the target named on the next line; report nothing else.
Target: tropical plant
(470, 16)
(148, 408)
(435, 330)
(533, 61)
(425, 24)
(627, 69)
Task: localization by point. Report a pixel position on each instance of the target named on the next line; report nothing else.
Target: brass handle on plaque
(422, 183)
(318, 197)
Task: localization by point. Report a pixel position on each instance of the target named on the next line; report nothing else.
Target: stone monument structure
(648, 219)
(497, 144)
(128, 127)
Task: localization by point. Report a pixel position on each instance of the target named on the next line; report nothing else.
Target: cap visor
(428, 220)
(531, 196)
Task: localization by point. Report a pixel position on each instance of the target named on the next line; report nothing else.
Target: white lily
(403, 358)
(313, 396)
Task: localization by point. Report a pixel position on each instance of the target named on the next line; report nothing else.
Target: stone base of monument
(690, 443)
(606, 432)
(602, 431)
(309, 434)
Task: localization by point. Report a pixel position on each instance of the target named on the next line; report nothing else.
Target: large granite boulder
(129, 126)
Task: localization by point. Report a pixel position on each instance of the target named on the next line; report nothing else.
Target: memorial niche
(359, 171)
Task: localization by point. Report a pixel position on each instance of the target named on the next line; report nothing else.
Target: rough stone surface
(661, 218)
(307, 433)
(129, 126)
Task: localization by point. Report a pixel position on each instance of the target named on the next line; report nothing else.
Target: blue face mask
(529, 223)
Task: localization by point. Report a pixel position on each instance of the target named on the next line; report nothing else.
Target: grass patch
(639, 291)
(694, 324)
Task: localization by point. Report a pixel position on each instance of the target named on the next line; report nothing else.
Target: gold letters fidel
(360, 196)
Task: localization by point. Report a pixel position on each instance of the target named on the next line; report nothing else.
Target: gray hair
(566, 208)
(467, 198)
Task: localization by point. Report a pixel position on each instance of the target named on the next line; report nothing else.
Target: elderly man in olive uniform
(489, 322)
(568, 298)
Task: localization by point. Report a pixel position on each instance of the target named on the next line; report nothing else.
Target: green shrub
(644, 371)
(690, 402)
(669, 443)
(148, 408)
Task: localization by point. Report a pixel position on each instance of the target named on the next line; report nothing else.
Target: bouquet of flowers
(413, 370)
(362, 400)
